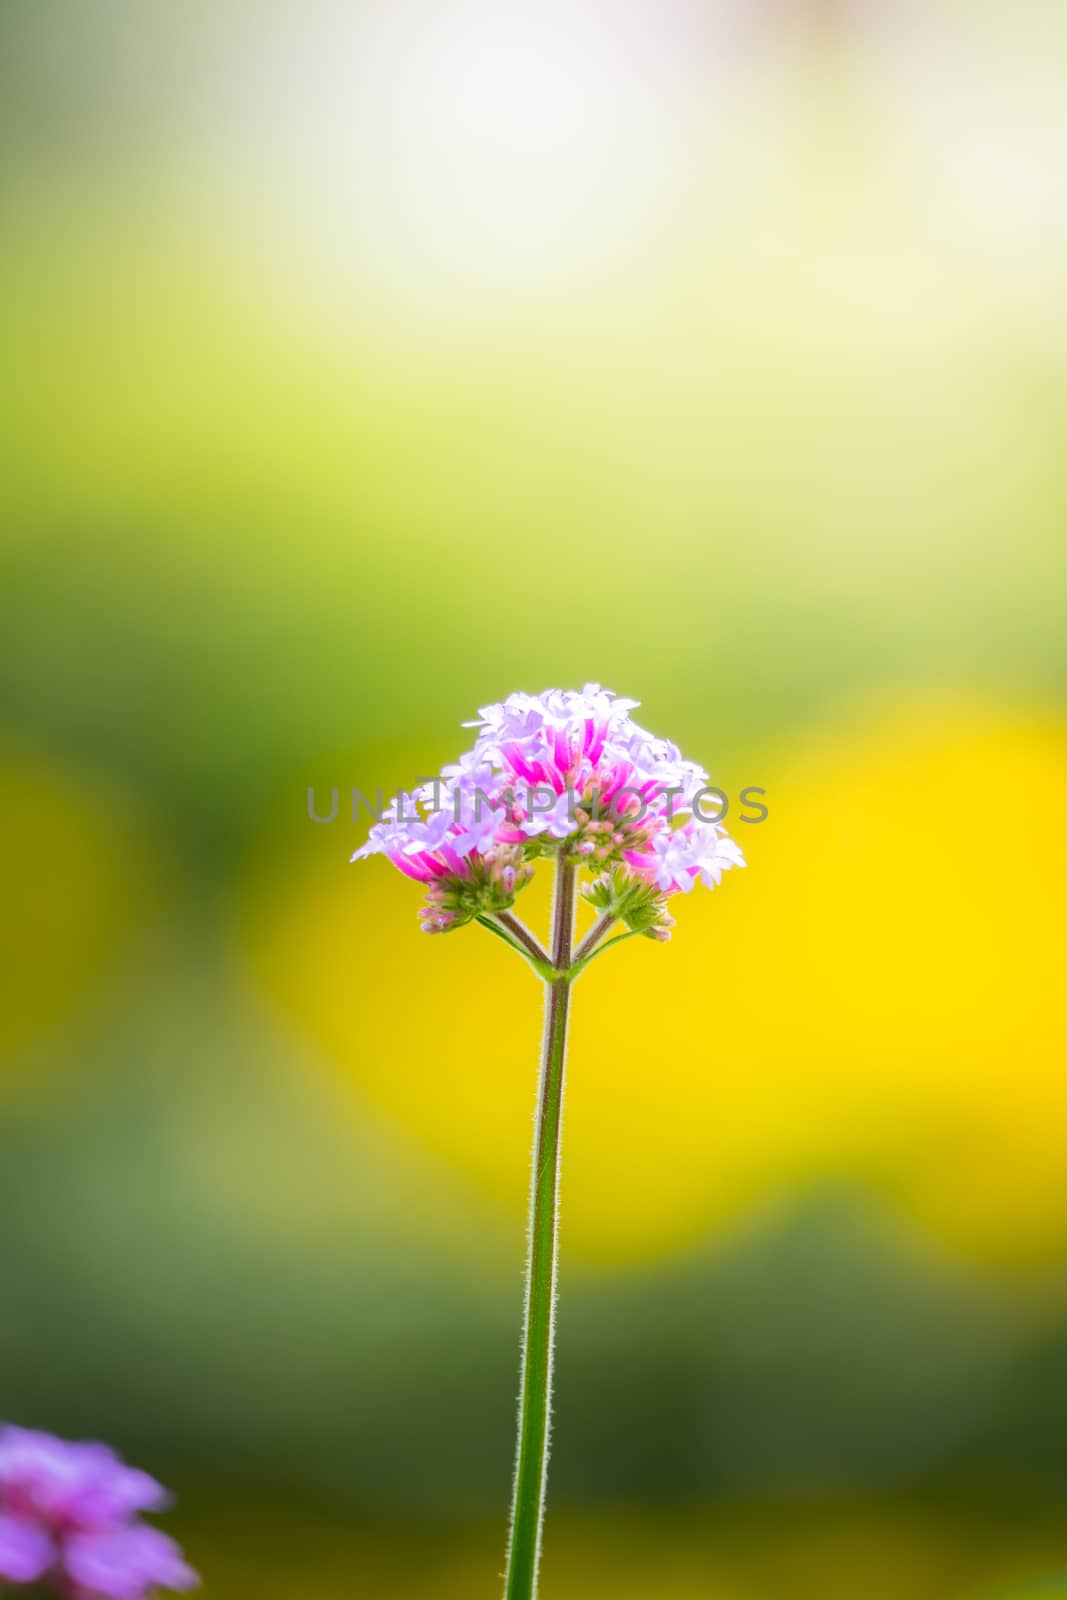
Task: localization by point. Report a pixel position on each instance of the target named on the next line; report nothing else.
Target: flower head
(68, 1518)
(567, 773)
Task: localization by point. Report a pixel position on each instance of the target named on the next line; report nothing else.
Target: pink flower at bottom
(69, 1521)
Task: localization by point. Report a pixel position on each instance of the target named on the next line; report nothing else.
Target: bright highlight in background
(473, 146)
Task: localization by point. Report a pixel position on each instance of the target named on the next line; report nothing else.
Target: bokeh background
(363, 363)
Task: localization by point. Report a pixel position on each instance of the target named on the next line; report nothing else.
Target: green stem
(580, 966)
(594, 936)
(528, 1504)
(540, 963)
(494, 927)
(521, 932)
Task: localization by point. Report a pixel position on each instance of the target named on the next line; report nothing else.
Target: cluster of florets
(605, 823)
(489, 885)
(632, 900)
(566, 773)
(69, 1522)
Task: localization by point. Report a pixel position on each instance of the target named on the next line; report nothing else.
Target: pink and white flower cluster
(564, 772)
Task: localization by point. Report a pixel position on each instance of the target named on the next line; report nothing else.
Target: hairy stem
(594, 936)
(535, 1396)
(495, 928)
(580, 966)
(523, 934)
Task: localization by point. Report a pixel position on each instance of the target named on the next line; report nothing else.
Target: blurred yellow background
(367, 362)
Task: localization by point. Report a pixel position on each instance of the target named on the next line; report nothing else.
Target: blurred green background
(364, 363)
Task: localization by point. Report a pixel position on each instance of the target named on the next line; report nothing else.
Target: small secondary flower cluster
(565, 773)
(69, 1521)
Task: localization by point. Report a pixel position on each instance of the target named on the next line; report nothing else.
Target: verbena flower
(571, 776)
(566, 773)
(69, 1521)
